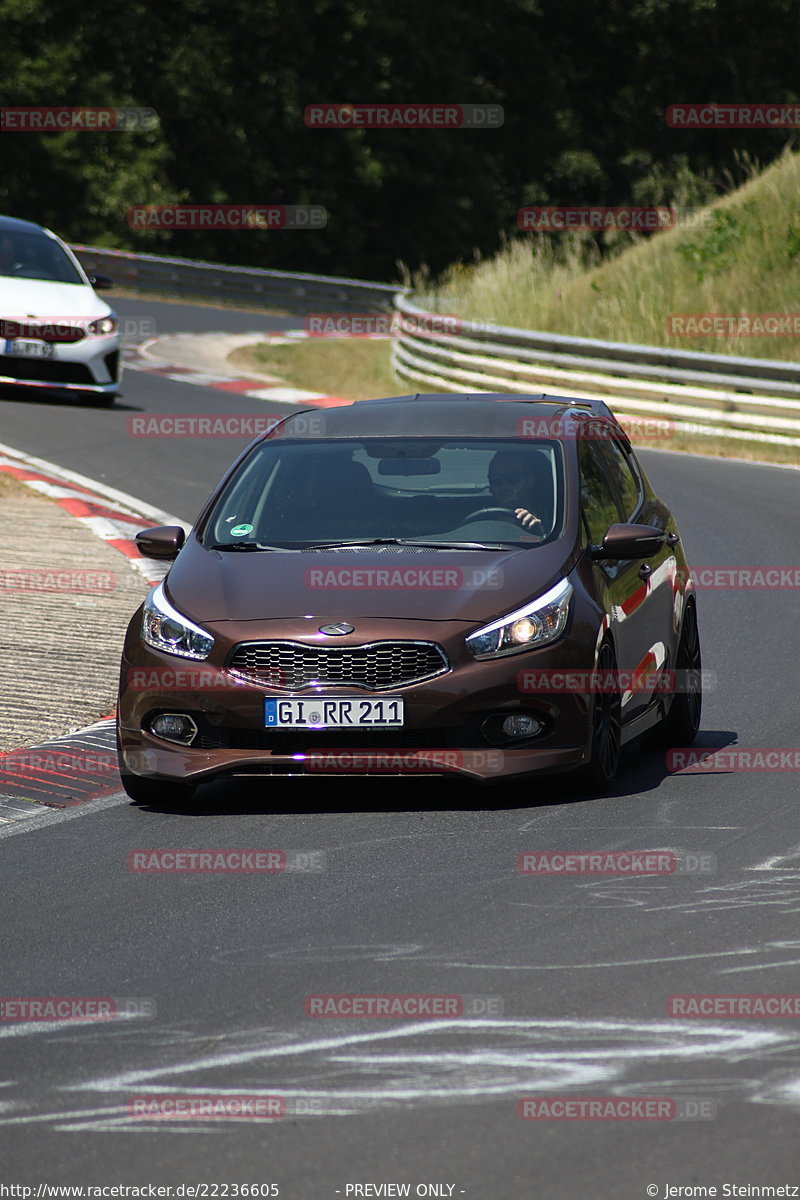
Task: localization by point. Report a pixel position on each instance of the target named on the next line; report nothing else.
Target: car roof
(441, 414)
(15, 225)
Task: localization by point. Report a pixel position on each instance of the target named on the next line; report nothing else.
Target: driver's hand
(526, 519)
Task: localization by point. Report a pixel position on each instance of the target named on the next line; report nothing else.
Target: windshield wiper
(242, 546)
(392, 541)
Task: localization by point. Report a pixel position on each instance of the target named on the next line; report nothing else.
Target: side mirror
(162, 542)
(101, 283)
(630, 541)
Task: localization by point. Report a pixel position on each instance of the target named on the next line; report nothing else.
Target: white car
(55, 331)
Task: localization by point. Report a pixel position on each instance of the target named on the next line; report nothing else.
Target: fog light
(174, 727)
(521, 727)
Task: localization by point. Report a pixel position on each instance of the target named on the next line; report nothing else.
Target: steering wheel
(493, 511)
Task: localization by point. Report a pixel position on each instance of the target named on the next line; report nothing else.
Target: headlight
(165, 629)
(104, 325)
(535, 625)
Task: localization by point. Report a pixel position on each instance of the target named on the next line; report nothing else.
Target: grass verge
(355, 369)
(738, 256)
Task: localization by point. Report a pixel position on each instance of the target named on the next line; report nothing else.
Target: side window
(598, 499)
(621, 472)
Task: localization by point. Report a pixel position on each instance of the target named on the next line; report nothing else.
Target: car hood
(39, 298)
(437, 585)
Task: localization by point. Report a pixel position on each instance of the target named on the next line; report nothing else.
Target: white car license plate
(20, 349)
(328, 713)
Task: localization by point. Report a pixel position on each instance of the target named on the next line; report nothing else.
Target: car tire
(601, 770)
(682, 722)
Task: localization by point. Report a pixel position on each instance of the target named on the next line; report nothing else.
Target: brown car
(483, 586)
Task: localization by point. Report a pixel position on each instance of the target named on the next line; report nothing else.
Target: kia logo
(336, 630)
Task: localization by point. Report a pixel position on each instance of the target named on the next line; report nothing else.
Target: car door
(609, 497)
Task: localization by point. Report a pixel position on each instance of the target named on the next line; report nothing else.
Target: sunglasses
(507, 478)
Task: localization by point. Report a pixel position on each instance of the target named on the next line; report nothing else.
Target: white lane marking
(54, 816)
(285, 395)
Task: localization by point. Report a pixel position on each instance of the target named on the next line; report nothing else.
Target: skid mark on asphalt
(453, 1061)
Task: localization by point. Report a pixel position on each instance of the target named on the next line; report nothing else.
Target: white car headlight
(104, 325)
(165, 629)
(540, 622)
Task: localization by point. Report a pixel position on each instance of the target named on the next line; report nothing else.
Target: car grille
(44, 370)
(55, 332)
(377, 667)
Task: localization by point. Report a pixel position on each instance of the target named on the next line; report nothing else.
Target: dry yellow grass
(740, 255)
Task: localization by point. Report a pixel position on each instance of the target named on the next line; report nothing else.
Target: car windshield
(35, 256)
(301, 493)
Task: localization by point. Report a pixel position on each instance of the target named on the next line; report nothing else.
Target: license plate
(333, 714)
(18, 349)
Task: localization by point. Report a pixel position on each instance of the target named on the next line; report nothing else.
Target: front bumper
(451, 721)
(93, 365)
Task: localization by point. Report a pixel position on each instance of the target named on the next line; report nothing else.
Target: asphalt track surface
(418, 892)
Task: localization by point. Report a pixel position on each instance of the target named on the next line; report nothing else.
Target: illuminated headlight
(104, 325)
(165, 629)
(535, 625)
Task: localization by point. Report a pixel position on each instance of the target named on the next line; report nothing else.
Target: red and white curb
(63, 773)
(80, 766)
(113, 516)
(144, 357)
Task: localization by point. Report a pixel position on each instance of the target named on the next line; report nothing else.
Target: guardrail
(250, 285)
(751, 399)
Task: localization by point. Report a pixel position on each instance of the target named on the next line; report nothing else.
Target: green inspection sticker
(241, 530)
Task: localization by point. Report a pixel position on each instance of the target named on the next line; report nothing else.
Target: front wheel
(601, 770)
(682, 722)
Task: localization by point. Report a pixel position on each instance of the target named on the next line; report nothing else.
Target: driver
(511, 487)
